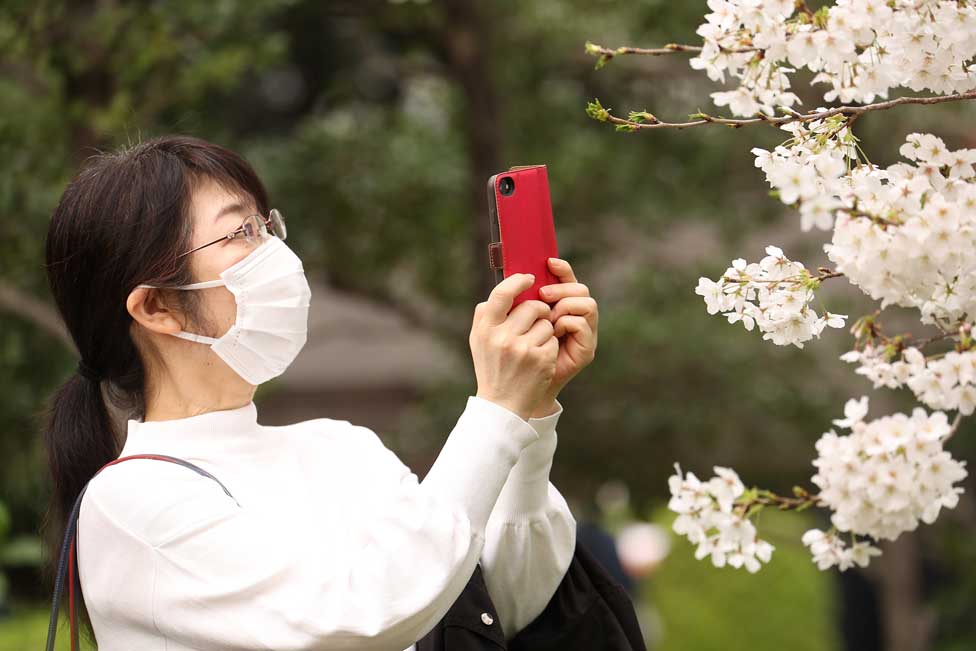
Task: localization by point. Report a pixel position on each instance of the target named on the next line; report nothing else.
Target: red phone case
(523, 233)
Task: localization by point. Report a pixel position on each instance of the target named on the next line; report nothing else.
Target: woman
(328, 540)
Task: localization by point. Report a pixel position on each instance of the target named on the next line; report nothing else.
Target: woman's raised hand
(514, 352)
(575, 317)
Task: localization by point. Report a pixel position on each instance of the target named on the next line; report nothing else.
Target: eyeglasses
(254, 229)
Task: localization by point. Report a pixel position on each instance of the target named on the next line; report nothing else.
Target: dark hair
(122, 221)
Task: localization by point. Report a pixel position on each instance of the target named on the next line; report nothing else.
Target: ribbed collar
(223, 425)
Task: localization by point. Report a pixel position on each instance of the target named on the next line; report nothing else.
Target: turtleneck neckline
(220, 421)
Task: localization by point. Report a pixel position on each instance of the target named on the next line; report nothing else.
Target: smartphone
(523, 234)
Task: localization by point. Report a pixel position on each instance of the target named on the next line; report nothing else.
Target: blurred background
(375, 125)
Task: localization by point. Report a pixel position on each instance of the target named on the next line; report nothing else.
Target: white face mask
(272, 312)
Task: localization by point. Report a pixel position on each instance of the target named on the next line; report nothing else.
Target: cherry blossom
(905, 235)
(888, 474)
(708, 518)
(860, 49)
(773, 295)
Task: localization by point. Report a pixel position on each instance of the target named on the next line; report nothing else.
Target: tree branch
(825, 273)
(802, 501)
(670, 48)
(955, 427)
(35, 311)
(648, 121)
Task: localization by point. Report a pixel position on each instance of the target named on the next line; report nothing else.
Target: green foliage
(27, 629)
(786, 604)
(642, 116)
(596, 111)
(602, 57)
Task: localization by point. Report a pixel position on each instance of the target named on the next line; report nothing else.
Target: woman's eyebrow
(228, 209)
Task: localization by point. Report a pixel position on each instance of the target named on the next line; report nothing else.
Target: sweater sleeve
(530, 536)
(374, 565)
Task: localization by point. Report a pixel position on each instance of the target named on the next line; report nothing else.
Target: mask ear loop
(192, 337)
(189, 335)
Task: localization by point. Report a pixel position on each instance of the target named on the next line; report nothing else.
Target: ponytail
(79, 438)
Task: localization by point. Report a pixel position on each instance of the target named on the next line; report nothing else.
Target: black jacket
(589, 611)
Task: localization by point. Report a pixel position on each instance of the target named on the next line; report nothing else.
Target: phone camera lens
(507, 185)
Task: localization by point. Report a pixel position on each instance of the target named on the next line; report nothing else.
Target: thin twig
(921, 343)
(670, 48)
(825, 274)
(783, 503)
(793, 116)
(877, 220)
(955, 427)
(799, 278)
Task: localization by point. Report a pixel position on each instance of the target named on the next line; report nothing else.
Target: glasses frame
(268, 223)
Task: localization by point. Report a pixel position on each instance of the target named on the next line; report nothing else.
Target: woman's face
(216, 212)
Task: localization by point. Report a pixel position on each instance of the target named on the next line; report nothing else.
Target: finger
(540, 332)
(575, 325)
(562, 270)
(526, 314)
(500, 300)
(479, 311)
(584, 306)
(555, 292)
(551, 347)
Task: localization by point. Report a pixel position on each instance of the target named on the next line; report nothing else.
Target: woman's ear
(147, 307)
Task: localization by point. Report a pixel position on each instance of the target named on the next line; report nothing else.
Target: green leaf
(596, 111)
(642, 116)
(820, 17)
(748, 495)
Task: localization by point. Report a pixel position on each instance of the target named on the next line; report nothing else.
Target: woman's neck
(176, 402)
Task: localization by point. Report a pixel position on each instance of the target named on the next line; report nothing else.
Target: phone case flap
(495, 256)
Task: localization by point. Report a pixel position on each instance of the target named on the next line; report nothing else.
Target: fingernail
(545, 291)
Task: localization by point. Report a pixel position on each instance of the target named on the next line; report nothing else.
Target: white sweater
(335, 544)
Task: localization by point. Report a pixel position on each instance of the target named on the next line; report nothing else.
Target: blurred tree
(375, 125)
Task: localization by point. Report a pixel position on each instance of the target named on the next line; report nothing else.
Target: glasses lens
(278, 224)
(249, 228)
(254, 230)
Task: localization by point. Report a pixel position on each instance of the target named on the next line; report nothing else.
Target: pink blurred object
(641, 547)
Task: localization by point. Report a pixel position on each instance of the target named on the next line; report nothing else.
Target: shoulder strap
(69, 544)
